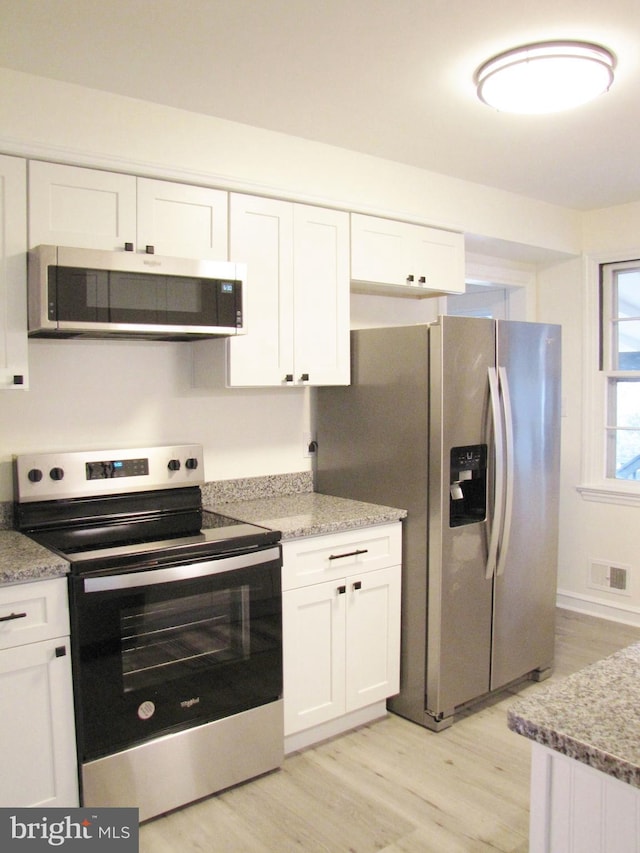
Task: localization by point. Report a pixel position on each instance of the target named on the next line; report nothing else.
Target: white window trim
(595, 486)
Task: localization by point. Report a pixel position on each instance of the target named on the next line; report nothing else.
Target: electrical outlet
(308, 445)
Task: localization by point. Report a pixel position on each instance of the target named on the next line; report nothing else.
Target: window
(620, 362)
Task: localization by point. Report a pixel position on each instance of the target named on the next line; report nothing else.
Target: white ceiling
(392, 78)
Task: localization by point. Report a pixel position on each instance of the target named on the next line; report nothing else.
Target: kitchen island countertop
(22, 560)
(593, 716)
(307, 513)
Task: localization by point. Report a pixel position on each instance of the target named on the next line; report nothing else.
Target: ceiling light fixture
(545, 77)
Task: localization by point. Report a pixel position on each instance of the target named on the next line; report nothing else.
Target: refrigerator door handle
(498, 497)
(509, 466)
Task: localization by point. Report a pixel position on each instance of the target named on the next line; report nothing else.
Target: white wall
(61, 121)
(106, 394)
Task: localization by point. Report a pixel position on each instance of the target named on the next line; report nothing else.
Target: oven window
(155, 659)
(172, 639)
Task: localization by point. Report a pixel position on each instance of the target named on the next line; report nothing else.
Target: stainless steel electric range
(176, 624)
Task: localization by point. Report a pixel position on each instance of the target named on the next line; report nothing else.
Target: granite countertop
(592, 716)
(307, 513)
(22, 559)
(284, 502)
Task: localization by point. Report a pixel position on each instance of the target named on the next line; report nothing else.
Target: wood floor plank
(392, 786)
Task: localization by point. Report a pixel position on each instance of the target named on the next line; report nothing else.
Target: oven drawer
(31, 612)
(315, 559)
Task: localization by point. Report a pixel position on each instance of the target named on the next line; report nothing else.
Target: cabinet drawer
(322, 558)
(31, 612)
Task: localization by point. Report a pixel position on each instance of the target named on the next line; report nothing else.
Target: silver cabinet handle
(12, 616)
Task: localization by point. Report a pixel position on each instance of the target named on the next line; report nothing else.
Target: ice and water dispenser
(468, 485)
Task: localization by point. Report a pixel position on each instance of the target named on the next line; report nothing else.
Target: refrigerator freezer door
(525, 586)
(459, 595)
(372, 446)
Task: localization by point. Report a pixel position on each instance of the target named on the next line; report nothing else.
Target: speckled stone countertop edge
(22, 560)
(308, 514)
(598, 731)
(284, 502)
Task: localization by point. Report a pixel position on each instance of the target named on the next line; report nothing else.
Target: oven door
(161, 650)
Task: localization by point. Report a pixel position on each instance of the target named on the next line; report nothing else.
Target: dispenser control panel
(467, 484)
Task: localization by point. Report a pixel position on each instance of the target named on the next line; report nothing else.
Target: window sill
(610, 494)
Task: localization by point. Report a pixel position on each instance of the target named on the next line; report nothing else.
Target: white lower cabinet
(576, 808)
(341, 627)
(37, 733)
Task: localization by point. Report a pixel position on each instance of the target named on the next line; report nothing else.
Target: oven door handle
(172, 574)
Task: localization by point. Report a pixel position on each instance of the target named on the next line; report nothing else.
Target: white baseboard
(309, 737)
(591, 606)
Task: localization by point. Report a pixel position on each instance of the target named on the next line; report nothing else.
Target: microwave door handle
(509, 466)
(498, 496)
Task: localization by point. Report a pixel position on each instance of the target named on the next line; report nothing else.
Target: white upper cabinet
(85, 208)
(182, 221)
(297, 303)
(401, 259)
(93, 209)
(321, 295)
(13, 273)
(260, 235)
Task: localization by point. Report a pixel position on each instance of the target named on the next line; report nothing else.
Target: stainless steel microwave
(96, 294)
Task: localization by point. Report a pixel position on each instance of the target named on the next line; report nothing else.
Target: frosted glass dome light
(545, 77)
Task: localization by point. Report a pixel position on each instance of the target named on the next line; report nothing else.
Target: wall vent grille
(605, 575)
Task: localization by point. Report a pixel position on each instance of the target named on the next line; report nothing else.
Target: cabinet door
(373, 637)
(313, 621)
(418, 260)
(439, 259)
(86, 208)
(380, 250)
(260, 235)
(13, 273)
(321, 295)
(182, 221)
(37, 736)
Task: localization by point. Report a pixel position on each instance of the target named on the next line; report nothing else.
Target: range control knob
(34, 475)
(174, 465)
(192, 463)
(56, 473)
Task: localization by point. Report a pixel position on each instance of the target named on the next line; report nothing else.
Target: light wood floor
(391, 786)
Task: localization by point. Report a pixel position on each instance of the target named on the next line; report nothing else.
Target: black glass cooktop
(135, 545)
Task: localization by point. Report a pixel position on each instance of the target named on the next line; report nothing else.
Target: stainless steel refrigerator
(457, 422)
